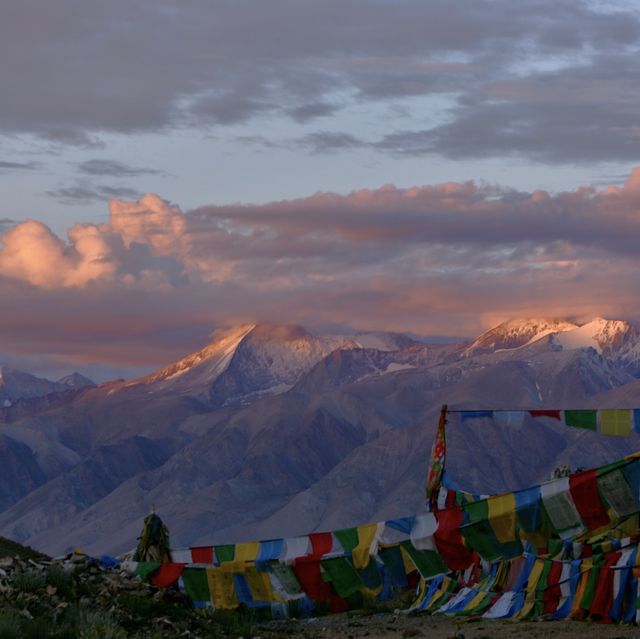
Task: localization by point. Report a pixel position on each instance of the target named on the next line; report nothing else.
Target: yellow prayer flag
(441, 593)
(233, 567)
(629, 526)
(407, 562)
(260, 585)
(532, 582)
(502, 517)
(247, 551)
(361, 554)
(585, 569)
(221, 589)
(476, 601)
(537, 539)
(616, 422)
(501, 577)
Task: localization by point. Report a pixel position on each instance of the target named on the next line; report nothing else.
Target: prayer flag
(587, 419)
(615, 422)
(436, 466)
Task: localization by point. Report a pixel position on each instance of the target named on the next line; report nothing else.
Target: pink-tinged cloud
(451, 258)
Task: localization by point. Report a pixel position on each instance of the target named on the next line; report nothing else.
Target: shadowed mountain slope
(269, 431)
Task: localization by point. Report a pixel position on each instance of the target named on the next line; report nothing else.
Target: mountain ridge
(273, 429)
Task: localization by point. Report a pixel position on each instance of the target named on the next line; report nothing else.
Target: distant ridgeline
(562, 548)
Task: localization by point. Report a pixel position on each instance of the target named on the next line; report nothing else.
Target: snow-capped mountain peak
(207, 362)
(607, 337)
(15, 384)
(245, 361)
(515, 333)
(76, 381)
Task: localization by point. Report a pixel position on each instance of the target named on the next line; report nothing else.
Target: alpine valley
(270, 431)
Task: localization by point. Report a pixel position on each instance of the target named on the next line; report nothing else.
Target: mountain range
(271, 430)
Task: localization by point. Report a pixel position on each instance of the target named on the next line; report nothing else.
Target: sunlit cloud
(152, 281)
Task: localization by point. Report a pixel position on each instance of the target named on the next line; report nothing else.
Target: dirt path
(389, 626)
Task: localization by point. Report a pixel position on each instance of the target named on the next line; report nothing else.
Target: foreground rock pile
(44, 598)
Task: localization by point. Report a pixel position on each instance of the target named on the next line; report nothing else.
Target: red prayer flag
(321, 544)
(545, 413)
(310, 577)
(167, 575)
(553, 593)
(585, 495)
(449, 541)
(436, 467)
(202, 555)
(603, 596)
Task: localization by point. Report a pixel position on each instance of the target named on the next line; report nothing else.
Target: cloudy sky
(414, 165)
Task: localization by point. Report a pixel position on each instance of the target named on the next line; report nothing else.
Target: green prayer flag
(555, 547)
(477, 510)
(225, 553)
(590, 590)
(479, 536)
(428, 562)
(196, 584)
(541, 588)
(348, 538)
(607, 468)
(145, 569)
(581, 419)
(344, 576)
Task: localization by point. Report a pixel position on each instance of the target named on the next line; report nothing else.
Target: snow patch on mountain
(271, 356)
(515, 333)
(208, 362)
(76, 381)
(394, 367)
(607, 337)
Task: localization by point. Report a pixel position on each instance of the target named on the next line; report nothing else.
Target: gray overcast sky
(246, 101)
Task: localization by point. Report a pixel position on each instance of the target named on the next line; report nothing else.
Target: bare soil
(402, 626)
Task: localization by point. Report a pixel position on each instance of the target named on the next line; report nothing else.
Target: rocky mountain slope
(272, 431)
(16, 385)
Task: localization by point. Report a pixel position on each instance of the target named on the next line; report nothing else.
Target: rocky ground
(41, 598)
(391, 626)
(79, 598)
